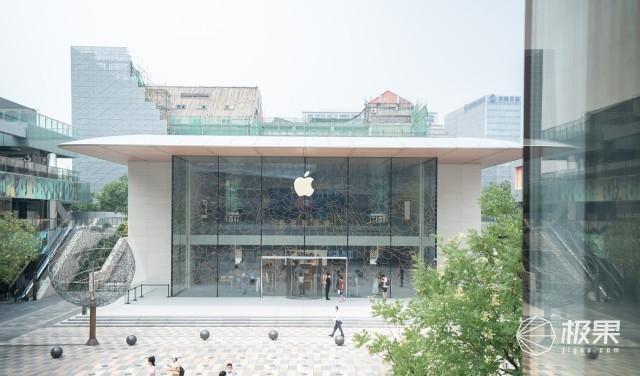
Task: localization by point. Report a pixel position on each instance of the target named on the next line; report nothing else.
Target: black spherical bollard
(204, 334)
(56, 352)
(273, 335)
(591, 353)
(339, 340)
(131, 340)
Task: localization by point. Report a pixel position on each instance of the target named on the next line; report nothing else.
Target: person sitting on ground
(230, 371)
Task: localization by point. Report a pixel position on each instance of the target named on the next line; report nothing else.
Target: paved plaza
(298, 351)
(30, 331)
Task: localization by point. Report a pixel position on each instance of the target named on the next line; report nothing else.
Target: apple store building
(268, 216)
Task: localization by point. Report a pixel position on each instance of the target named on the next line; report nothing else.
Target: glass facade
(228, 212)
(581, 188)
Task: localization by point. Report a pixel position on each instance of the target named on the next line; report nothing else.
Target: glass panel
(204, 271)
(326, 208)
(282, 209)
(239, 271)
(179, 275)
(204, 197)
(581, 196)
(239, 201)
(430, 193)
(368, 203)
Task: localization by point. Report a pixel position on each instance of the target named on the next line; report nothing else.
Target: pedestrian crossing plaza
(297, 351)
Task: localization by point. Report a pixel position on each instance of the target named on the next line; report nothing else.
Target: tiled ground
(298, 351)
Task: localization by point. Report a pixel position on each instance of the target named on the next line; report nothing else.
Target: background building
(33, 186)
(492, 116)
(582, 183)
(108, 99)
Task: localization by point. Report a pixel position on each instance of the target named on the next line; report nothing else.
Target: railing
(244, 126)
(135, 291)
(310, 130)
(44, 262)
(26, 117)
(43, 224)
(19, 166)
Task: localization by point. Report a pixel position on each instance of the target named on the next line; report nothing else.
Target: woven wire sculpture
(93, 268)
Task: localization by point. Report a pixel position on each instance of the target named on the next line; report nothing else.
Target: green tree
(113, 196)
(463, 319)
(123, 229)
(18, 246)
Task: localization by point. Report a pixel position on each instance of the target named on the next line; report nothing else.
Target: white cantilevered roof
(122, 149)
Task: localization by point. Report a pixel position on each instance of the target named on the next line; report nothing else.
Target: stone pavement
(27, 333)
(297, 351)
(19, 318)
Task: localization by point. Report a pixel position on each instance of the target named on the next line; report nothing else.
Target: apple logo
(302, 185)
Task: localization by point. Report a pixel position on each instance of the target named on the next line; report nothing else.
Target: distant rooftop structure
(181, 104)
(390, 98)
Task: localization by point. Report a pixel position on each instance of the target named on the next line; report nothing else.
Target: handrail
(42, 265)
(135, 294)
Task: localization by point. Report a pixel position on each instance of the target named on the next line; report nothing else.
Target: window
(181, 106)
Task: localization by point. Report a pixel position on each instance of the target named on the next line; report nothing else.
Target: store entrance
(299, 277)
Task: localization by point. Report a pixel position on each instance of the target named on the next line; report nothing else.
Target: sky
(303, 55)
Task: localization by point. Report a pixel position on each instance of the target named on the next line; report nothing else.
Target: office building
(492, 116)
(108, 99)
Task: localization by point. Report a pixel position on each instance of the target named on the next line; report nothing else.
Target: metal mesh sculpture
(90, 271)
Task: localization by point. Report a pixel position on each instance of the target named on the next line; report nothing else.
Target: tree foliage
(113, 196)
(18, 246)
(463, 319)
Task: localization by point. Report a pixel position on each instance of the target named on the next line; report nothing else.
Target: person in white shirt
(230, 370)
(337, 323)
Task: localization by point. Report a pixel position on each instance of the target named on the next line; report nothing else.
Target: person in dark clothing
(327, 286)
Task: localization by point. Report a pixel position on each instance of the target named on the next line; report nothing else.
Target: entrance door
(300, 277)
(303, 279)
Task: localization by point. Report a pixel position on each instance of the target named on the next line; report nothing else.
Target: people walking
(341, 288)
(337, 320)
(151, 366)
(385, 286)
(327, 286)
